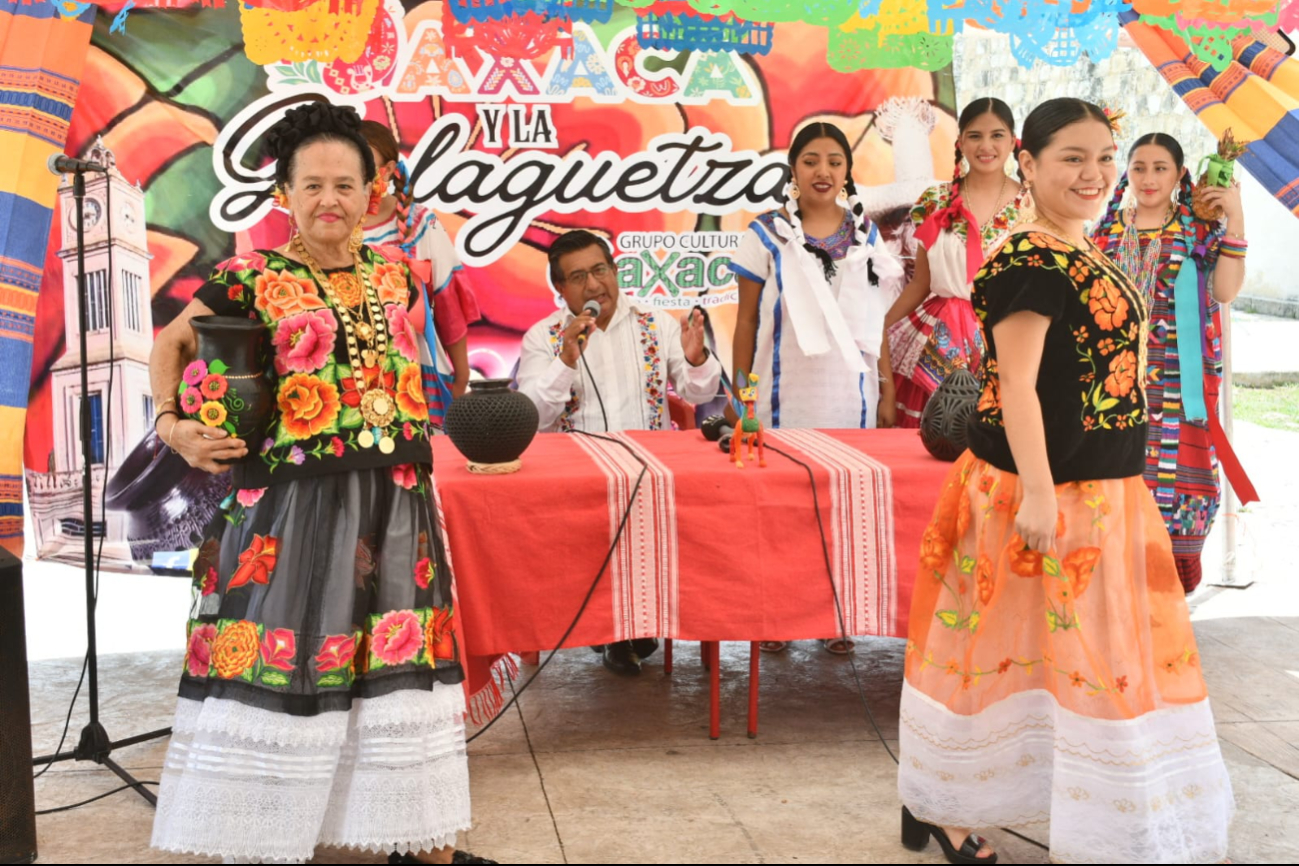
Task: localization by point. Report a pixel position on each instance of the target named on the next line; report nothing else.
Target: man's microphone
(591, 308)
(60, 164)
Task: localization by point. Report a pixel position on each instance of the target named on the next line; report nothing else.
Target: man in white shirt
(608, 372)
(630, 354)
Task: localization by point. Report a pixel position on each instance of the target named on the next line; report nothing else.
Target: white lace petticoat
(1153, 789)
(241, 782)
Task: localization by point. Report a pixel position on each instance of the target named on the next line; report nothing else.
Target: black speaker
(17, 796)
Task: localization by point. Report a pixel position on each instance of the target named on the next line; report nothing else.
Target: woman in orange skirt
(1052, 676)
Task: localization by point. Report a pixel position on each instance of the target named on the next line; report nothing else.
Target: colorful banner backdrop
(1256, 95)
(42, 49)
(661, 128)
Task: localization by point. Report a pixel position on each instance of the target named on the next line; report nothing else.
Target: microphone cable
(604, 566)
(596, 389)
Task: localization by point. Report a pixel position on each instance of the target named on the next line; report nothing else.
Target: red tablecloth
(712, 552)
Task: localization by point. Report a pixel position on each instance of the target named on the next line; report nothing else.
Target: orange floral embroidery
(281, 293)
(1050, 242)
(1107, 304)
(410, 393)
(1078, 567)
(985, 578)
(1023, 561)
(1123, 374)
(935, 551)
(963, 514)
(390, 281)
(309, 405)
(990, 398)
(235, 649)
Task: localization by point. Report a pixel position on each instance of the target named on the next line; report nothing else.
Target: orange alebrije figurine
(749, 431)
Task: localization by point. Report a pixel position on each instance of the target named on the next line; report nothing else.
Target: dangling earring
(277, 195)
(358, 238)
(794, 192)
(843, 193)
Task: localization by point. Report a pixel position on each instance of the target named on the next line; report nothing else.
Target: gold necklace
(378, 408)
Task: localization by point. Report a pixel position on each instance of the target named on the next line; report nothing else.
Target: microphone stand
(95, 744)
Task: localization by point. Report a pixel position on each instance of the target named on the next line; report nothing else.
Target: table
(710, 552)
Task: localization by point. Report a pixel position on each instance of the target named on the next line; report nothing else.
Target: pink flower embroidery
(253, 261)
(423, 572)
(404, 338)
(250, 496)
(336, 652)
(191, 401)
(279, 647)
(210, 581)
(404, 475)
(303, 342)
(195, 372)
(198, 655)
(397, 637)
(336, 445)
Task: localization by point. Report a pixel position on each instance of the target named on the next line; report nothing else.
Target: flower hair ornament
(1113, 116)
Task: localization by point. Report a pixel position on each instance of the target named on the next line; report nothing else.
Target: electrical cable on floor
(604, 566)
(71, 806)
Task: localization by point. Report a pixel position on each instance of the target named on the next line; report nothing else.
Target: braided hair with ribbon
(385, 145)
(943, 219)
(805, 137)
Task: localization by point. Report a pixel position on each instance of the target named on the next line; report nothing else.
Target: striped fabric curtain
(42, 49)
(1257, 95)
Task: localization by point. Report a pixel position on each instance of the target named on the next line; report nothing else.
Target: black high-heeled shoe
(916, 835)
(458, 857)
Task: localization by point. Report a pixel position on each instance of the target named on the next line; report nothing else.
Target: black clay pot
(491, 424)
(233, 354)
(168, 503)
(944, 425)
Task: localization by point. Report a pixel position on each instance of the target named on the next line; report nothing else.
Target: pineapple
(1220, 166)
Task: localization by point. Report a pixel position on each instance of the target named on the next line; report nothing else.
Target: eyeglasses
(579, 278)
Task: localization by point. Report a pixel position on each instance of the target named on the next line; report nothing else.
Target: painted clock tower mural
(119, 338)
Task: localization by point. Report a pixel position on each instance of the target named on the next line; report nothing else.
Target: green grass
(1269, 407)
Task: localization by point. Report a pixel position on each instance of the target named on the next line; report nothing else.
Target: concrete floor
(589, 768)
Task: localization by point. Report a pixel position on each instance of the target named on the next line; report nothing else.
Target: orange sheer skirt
(1061, 689)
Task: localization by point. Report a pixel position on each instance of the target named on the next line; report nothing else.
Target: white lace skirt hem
(241, 782)
(1153, 789)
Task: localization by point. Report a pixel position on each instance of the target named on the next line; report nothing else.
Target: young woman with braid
(1184, 267)
(414, 229)
(931, 326)
(815, 280)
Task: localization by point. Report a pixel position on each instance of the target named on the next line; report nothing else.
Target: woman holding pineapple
(1184, 248)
